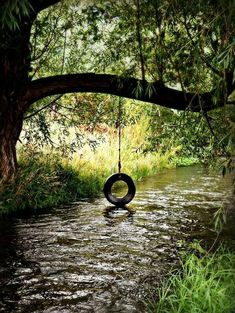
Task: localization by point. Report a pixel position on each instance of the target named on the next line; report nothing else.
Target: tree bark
(39, 5)
(14, 69)
(10, 129)
(132, 88)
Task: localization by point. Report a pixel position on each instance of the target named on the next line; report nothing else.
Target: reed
(202, 284)
(46, 179)
(135, 161)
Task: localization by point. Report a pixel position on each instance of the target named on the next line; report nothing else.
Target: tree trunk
(10, 128)
(8, 162)
(14, 78)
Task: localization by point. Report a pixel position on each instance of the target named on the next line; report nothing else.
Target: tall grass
(46, 179)
(134, 162)
(202, 285)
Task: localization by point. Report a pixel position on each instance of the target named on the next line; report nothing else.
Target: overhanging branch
(39, 5)
(115, 85)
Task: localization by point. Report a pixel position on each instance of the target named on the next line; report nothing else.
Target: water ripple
(90, 257)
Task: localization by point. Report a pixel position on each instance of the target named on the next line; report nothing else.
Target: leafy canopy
(189, 46)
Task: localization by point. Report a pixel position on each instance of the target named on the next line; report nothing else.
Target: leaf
(138, 90)
(197, 247)
(224, 171)
(13, 11)
(150, 90)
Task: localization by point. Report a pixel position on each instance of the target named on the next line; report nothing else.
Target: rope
(119, 135)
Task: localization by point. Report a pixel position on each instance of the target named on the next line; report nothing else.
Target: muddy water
(92, 257)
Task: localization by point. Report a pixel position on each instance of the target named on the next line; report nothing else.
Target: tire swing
(119, 176)
(108, 189)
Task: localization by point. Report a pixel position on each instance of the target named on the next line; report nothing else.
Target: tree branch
(39, 5)
(131, 88)
(139, 39)
(42, 108)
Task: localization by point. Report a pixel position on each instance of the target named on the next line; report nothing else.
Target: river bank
(204, 282)
(49, 176)
(46, 179)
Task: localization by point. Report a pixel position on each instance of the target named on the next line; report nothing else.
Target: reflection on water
(91, 257)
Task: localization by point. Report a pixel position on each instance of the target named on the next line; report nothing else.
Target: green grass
(46, 179)
(202, 285)
(134, 161)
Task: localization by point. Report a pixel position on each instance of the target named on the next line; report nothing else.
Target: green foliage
(203, 284)
(61, 114)
(206, 138)
(49, 177)
(12, 11)
(43, 181)
(39, 184)
(184, 161)
(188, 46)
(185, 45)
(166, 129)
(220, 219)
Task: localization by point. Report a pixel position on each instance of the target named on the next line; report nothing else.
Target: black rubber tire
(108, 186)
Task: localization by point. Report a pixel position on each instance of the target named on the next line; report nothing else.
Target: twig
(41, 109)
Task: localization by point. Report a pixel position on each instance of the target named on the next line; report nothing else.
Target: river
(93, 257)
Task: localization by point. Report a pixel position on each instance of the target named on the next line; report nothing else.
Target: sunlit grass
(134, 161)
(46, 178)
(202, 285)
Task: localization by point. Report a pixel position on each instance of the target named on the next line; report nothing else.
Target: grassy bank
(203, 284)
(46, 179)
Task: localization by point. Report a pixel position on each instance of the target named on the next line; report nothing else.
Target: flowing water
(92, 257)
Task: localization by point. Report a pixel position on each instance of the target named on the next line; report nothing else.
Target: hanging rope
(112, 198)
(119, 134)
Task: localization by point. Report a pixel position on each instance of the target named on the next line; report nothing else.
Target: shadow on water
(115, 215)
(90, 257)
(7, 260)
(13, 267)
(9, 257)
